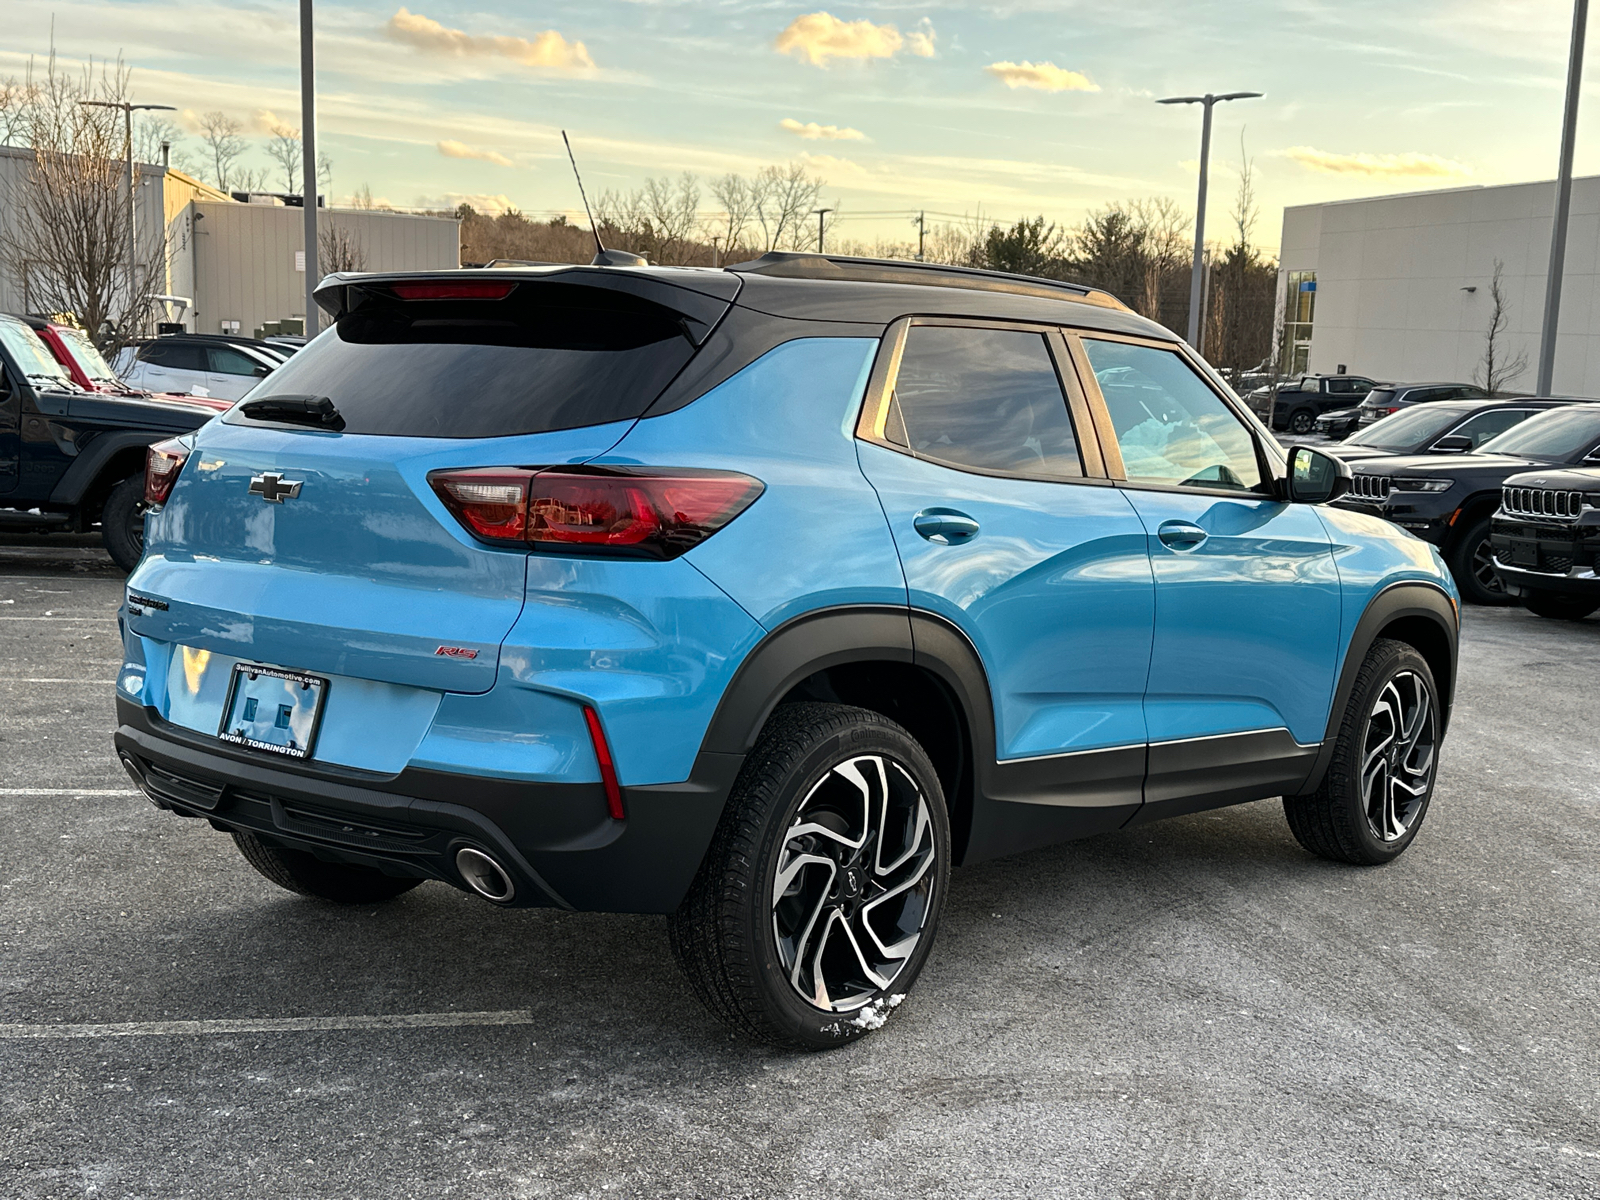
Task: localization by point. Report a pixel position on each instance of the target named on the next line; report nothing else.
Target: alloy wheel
(1397, 756)
(1483, 569)
(1300, 423)
(854, 883)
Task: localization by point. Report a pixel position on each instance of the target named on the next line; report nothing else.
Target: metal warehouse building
(1397, 287)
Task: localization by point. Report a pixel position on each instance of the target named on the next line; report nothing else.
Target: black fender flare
(1417, 604)
(86, 468)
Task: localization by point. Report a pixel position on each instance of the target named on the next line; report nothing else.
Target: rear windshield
(1406, 429)
(1379, 396)
(1559, 433)
(555, 356)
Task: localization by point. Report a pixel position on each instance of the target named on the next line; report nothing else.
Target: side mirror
(1456, 443)
(262, 372)
(1314, 477)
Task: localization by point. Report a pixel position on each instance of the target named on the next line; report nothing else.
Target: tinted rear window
(1406, 429)
(552, 356)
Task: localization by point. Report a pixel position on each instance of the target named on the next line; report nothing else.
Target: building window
(1299, 306)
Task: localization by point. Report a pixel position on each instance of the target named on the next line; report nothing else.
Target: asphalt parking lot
(1195, 1009)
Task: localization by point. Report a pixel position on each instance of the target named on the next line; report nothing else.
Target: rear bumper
(556, 840)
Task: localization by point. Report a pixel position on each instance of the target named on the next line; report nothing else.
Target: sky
(995, 109)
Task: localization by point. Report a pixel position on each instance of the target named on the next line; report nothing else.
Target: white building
(1398, 287)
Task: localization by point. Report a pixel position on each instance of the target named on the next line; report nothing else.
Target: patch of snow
(874, 1015)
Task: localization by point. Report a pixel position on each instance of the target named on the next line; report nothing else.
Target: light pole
(1558, 234)
(1196, 281)
(308, 143)
(821, 215)
(133, 210)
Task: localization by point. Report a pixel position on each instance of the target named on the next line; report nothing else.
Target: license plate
(273, 710)
(1524, 554)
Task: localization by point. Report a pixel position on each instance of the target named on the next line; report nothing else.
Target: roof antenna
(602, 257)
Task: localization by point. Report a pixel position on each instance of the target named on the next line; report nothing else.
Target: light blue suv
(759, 597)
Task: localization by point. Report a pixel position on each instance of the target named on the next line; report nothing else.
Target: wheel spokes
(1398, 756)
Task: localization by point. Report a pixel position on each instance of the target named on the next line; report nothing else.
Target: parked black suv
(1297, 404)
(1546, 541)
(70, 458)
(1388, 399)
(1449, 500)
(1451, 427)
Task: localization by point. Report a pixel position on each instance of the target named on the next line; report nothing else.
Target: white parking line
(447, 1020)
(85, 682)
(69, 792)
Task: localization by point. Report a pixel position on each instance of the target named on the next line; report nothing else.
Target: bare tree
(223, 146)
(1499, 365)
(17, 98)
(151, 131)
(782, 197)
(733, 194)
(339, 249)
(284, 150)
(672, 209)
(65, 241)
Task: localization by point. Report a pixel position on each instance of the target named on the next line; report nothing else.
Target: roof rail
(785, 264)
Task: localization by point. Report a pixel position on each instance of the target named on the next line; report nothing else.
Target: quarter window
(225, 361)
(1171, 427)
(983, 399)
(175, 356)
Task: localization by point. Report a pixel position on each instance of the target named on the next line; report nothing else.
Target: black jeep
(1546, 541)
(70, 458)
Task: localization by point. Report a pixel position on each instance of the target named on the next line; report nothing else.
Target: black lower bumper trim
(556, 840)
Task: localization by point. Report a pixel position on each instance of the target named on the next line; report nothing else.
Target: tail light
(623, 512)
(162, 463)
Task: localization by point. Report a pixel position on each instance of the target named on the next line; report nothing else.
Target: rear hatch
(324, 549)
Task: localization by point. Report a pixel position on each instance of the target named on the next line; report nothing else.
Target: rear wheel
(1301, 421)
(1472, 564)
(122, 523)
(818, 901)
(1376, 791)
(307, 875)
(1559, 606)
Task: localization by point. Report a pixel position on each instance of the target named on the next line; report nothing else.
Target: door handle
(945, 526)
(1181, 535)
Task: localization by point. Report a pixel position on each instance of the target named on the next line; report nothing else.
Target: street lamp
(822, 215)
(1196, 279)
(133, 212)
(308, 147)
(1558, 232)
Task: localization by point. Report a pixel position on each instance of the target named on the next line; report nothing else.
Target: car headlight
(1423, 485)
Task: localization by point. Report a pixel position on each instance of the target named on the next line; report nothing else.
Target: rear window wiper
(316, 411)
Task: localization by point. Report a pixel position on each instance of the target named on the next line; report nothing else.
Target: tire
(1559, 606)
(122, 523)
(1301, 421)
(1344, 820)
(307, 875)
(826, 788)
(1470, 562)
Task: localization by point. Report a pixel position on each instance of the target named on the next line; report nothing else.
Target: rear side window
(985, 400)
(175, 356)
(1490, 424)
(227, 361)
(551, 356)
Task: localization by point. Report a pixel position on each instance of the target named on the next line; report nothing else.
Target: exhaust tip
(135, 773)
(485, 876)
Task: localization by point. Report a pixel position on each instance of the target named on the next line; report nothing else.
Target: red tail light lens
(633, 512)
(453, 290)
(162, 463)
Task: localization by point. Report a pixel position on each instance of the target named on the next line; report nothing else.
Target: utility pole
(715, 238)
(133, 208)
(1196, 279)
(821, 215)
(308, 143)
(1558, 234)
(922, 234)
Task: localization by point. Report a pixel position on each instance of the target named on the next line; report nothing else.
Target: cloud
(484, 202)
(548, 49)
(827, 165)
(453, 149)
(812, 132)
(1378, 166)
(1044, 77)
(819, 36)
(265, 120)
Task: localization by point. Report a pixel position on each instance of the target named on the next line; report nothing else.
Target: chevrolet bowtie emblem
(274, 488)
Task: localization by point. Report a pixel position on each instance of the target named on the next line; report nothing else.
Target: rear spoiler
(700, 298)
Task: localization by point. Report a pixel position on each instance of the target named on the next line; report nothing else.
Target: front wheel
(1302, 421)
(1472, 564)
(1376, 790)
(122, 523)
(818, 901)
(1559, 606)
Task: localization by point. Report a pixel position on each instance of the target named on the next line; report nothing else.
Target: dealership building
(1398, 287)
(238, 265)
